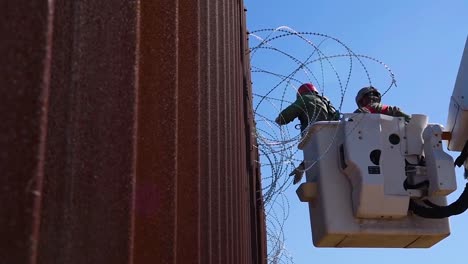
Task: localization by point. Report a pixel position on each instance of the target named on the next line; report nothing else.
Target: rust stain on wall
(126, 134)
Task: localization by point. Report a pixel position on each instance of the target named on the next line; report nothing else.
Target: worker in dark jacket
(308, 108)
(368, 101)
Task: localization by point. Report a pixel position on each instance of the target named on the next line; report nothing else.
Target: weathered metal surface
(89, 171)
(24, 84)
(127, 134)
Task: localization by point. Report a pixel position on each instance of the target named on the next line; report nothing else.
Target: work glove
(336, 116)
(298, 172)
(279, 120)
(463, 157)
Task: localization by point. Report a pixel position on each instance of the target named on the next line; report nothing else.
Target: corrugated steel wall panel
(89, 167)
(127, 134)
(24, 84)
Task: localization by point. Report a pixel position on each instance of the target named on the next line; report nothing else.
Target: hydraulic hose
(437, 211)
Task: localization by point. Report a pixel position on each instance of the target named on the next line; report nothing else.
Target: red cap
(307, 88)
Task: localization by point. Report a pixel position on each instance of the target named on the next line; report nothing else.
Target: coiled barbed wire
(276, 75)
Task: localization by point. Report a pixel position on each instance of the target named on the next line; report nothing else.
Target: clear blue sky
(422, 42)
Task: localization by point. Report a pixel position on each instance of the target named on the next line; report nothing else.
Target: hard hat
(366, 90)
(307, 88)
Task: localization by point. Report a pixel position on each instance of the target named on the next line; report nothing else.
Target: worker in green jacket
(309, 107)
(368, 101)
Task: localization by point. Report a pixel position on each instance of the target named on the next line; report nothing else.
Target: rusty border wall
(126, 133)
